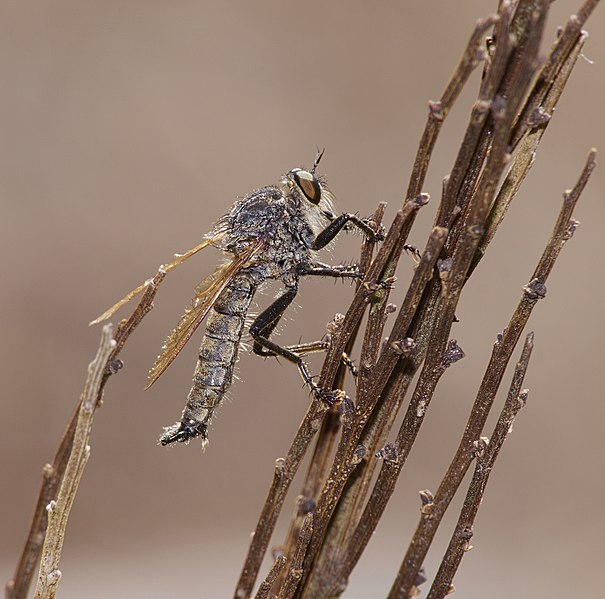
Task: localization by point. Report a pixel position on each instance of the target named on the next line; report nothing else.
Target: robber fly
(272, 233)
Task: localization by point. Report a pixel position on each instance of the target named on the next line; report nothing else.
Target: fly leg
(262, 328)
(338, 224)
(414, 251)
(312, 347)
(302, 349)
(339, 271)
(325, 270)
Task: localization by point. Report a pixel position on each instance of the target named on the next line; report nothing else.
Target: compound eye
(308, 184)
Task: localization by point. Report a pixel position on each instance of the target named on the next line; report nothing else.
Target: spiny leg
(338, 271)
(414, 251)
(266, 322)
(346, 270)
(264, 325)
(277, 309)
(322, 345)
(338, 224)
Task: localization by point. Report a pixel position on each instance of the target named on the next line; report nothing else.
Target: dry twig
(486, 452)
(59, 509)
(18, 586)
(515, 90)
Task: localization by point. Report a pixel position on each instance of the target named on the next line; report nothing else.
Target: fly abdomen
(216, 360)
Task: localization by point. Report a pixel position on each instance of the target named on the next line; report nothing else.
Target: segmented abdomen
(216, 360)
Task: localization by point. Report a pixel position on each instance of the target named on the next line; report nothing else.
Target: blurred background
(127, 129)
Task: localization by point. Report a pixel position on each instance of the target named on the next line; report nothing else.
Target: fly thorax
(253, 217)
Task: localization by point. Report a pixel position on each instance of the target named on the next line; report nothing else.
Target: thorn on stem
(452, 354)
(277, 552)
(522, 399)
(388, 453)
(499, 107)
(404, 347)
(571, 228)
(535, 290)
(428, 501)
(359, 454)
(419, 580)
(422, 199)
(480, 446)
(476, 231)
(335, 324)
(306, 505)
(114, 366)
(436, 110)
(444, 268)
(538, 117)
(346, 406)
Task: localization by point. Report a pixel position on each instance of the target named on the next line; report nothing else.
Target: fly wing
(179, 259)
(206, 294)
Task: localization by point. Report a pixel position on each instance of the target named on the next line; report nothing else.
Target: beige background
(127, 128)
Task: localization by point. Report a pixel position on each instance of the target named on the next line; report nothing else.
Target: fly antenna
(318, 156)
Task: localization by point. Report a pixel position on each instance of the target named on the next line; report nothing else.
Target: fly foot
(348, 362)
(330, 398)
(387, 283)
(414, 251)
(378, 234)
(337, 397)
(320, 393)
(184, 431)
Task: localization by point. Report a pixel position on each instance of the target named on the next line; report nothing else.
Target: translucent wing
(179, 259)
(206, 293)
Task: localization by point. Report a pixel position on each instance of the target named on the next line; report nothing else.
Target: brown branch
(396, 236)
(285, 469)
(502, 351)
(264, 589)
(18, 587)
(453, 275)
(377, 314)
(330, 427)
(295, 570)
(486, 453)
(59, 509)
(438, 111)
(521, 60)
(550, 72)
(350, 451)
(527, 146)
(476, 138)
(288, 467)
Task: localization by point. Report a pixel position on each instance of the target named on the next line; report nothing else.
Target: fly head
(310, 192)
